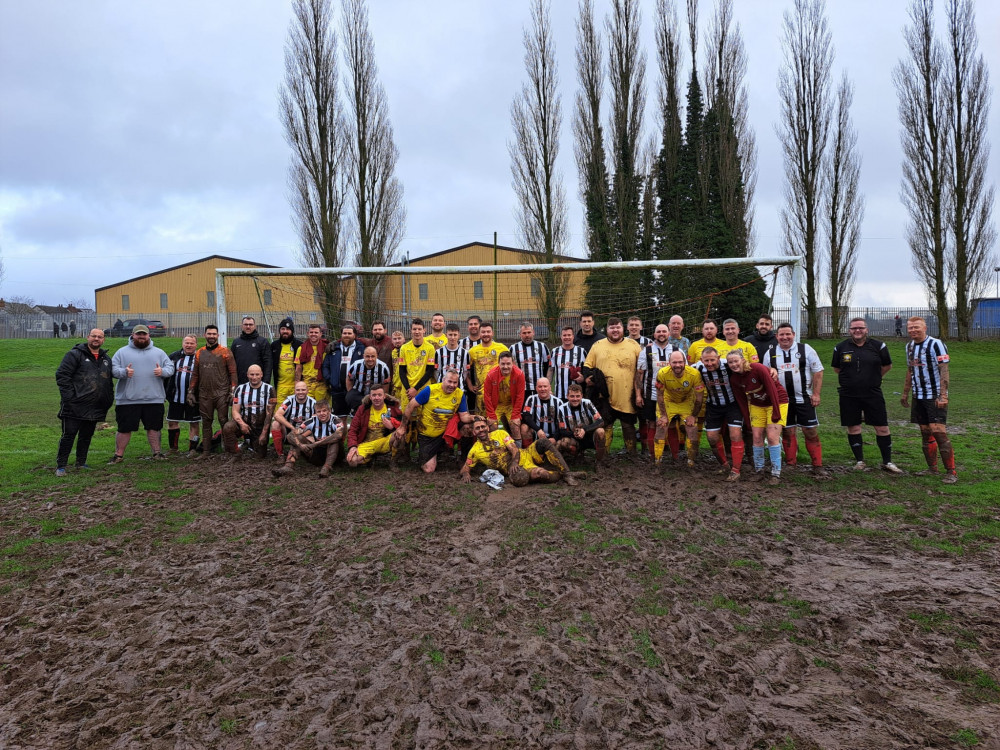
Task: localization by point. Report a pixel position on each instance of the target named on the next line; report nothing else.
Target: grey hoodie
(143, 387)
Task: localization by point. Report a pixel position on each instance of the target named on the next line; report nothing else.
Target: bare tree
(376, 193)
(313, 123)
(668, 56)
(806, 110)
(971, 196)
(844, 208)
(536, 117)
(923, 105)
(20, 311)
(588, 135)
(726, 91)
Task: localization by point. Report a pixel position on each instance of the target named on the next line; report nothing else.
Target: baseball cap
(140, 329)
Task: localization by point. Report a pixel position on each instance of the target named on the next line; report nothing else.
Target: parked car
(124, 328)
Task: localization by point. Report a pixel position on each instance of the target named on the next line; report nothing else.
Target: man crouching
(318, 442)
(541, 462)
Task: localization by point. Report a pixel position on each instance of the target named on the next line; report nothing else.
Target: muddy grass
(387, 609)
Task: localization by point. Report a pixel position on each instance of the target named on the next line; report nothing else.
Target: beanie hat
(287, 323)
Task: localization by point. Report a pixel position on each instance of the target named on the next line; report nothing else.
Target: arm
(428, 376)
(772, 393)
(279, 417)
(360, 417)
(907, 387)
(238, 418)
(942, 399)
(268, 413)
(118, 364)
(407, 416)
(491, 395)
(64, 375)
(167, 366)
(231, 366)
(699, 399)
(266, 363)
(640, 373)
(817, 387)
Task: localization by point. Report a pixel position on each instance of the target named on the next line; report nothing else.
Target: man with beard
(141, 368)
(250, 348)
(531, 358)
(565, 364)
(85, 395)
(709, 331)
(587, 335)
(680, 400)
(437, 336)
(382, 343)
(653, 358)
(616, 357)
(283, 351)
(335, 365)
(503, 395)
(472, 325)
(177, 387)
(540, 462)
(763, 338)
(309, 362)
(212, 384)
(483, 357)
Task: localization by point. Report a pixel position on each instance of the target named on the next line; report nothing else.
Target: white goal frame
(792, 261)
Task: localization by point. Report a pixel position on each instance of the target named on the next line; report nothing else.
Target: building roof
(185, 265)
(558, 258)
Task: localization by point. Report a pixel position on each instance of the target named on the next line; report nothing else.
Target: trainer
(85, 395)
(860, 364)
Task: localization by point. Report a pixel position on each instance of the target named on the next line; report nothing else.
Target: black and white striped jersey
(545, 414)
(642, 340)
(183, 369)
(581, 416)
(924, 361)
(457, 359)
(252, 400)
(363, 378)
(467, 343)
(533, 360)
(320, 429)
(652, 359)
(717, 385)
(795, 369)
(297, 413)
(561, 360)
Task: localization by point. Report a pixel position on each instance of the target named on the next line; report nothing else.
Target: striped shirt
(642, 340)
(183, 369)
(320, 429)
(297, 413)
(533, 360)
(924, 361)
(561, 360)
(363, 378)
(253, 400)
(795, 369)
(652, 359)
(452, 358)
(717, 385)
(545, 413)
(467, 343)
(579, 417)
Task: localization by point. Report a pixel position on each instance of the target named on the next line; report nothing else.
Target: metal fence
(887, 322)
(32, 325)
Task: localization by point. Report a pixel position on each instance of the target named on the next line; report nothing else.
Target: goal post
(549, 296)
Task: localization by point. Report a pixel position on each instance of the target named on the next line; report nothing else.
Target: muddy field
(386, 609)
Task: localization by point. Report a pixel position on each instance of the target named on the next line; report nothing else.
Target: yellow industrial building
(183, 296)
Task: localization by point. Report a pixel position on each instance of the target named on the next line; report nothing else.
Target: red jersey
(758, 388)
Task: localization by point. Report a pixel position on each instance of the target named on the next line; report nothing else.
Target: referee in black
(860, 364)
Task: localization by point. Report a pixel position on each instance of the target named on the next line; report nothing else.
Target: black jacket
(276, 356)
(251, 350)
(584, 341)
(761, 343)
(85, 386)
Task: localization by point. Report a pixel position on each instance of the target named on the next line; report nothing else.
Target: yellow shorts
(531, 457)
(760, 416)
(681, 410)
(508, 412)
(371, 448)
(318, 391)
(284, 391)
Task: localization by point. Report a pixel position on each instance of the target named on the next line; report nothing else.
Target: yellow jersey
(312, 377)
(678, 390)
(495, 456)
(749, 352)
(437, 339)
(484, 358)
(438, 408)
(694, 351)
(618, 363)
(416, 358)
(376, 430)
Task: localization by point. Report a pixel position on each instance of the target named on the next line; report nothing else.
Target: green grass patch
(644, 645)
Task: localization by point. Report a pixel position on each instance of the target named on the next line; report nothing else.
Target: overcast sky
(135, 136)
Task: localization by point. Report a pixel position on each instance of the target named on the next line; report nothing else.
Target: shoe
(159, 457)
(860, 466)
(724, 470)
(568, 479)
(324, 472)
(892, 468)
(950, 478)
(759, 475)
(282, 471)
(116, 459)
(734, 476)
(927, 473)
(773, 480)
(690, 463)
(61, 471)
(578, 474)
(820, 471)
(85, 467)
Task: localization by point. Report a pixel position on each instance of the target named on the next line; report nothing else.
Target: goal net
(549, 297)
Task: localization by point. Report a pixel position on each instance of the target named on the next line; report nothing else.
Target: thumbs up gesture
(157, 371)
(129, 370)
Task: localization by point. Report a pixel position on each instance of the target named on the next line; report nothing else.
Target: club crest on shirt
(847, 357)
(685, 383)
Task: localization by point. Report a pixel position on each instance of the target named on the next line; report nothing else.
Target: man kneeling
(318, 442)
(540, 462)
(373, 427)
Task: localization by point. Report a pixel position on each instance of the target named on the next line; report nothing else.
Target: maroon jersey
(758, 388)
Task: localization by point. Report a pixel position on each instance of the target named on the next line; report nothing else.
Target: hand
(387, 421)
(905, 399)
(515, 427)
(689, 420)
(662, 422)
(190, 398)
(492, 424)
(579, 433)
(411, 393)
(158, 371)
(638, 399)
(400, 432)
(263, 438)
(540, 435)
(244, 427)
(465, 477)
(814, 399)
(129, 370)
(589, 381)
(941, 401)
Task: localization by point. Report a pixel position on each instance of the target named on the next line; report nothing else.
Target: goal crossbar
(794, 261)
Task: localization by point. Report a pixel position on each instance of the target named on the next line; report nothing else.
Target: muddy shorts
(926, 411)
(429, 447)
(181, 412)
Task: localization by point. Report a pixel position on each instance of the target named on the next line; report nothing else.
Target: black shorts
(429, 447)
(613, 415)
(801, 415)
(868, 409)
(718, 415)
(128, 417)
(181, 412)
(648, 411)
(926, 411)
(587, 441)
